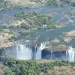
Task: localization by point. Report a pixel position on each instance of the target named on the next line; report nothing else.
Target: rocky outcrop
(60, 47)
(68, 36)
(4, 39)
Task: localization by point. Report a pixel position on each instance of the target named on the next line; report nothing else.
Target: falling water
(66, 55)
(70, 54)
(23, 52)
(42, 46)
(51, 54)
(26, 53)
(38, 54)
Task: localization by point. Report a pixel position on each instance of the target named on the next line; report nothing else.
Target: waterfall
(42, 46)
(70, 54)
(38, 54)
(51, 54)
(66, 55)
(23, 52)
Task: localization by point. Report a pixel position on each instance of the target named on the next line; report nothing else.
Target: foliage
(1, 30)
(5, 4)
(24, 32)
(13, 37)
(20, 67)
(35, 20)
(53, 3)
(70, 13)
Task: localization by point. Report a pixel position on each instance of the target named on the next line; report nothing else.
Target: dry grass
(21, 2)
(68, 36)
(4, 39)
(44, 61)
(63, 70)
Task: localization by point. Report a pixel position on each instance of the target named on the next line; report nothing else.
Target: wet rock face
(45, 53)
(69, 54)
(54, 55)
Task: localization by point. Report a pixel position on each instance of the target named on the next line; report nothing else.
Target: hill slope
(63, 70)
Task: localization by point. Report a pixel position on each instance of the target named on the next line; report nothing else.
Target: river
(41, 35)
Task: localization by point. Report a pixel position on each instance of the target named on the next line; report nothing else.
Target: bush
(34, 20)
(53, 3)
(13, 37)
(21, 67)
